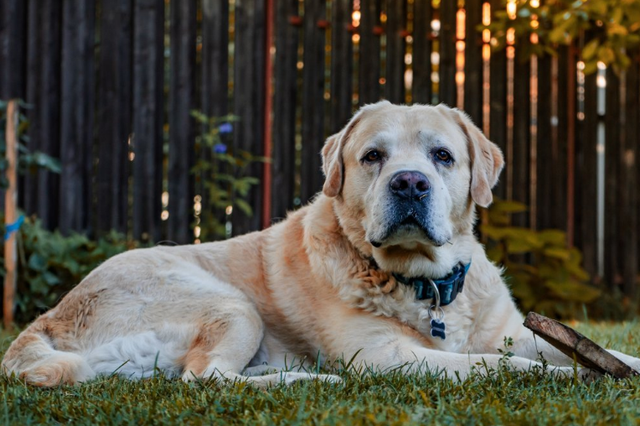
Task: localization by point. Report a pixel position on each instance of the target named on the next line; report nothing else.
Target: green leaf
(616, 29)
(50, 278)
(590, 49)
(572, 290)
(606, 55)
(553, 237)
(557, 35)
(523, 237)
(558, 253)
(590, 67)
(47, 162)
(244, 206)
(519, 246)
(37, 262)
(616, 16)
(493, 232)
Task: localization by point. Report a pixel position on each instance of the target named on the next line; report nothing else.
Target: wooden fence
(112, 83)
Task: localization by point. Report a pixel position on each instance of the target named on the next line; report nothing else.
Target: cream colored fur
(311, 286)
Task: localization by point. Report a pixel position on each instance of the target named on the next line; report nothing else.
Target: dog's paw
(587, 375)
(291, 378)
(330, 378)
(260, 370)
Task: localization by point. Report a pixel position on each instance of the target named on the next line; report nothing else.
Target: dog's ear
(486, 160)
(332, 165)
(332, 162)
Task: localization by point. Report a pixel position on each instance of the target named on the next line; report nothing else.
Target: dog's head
(405, 178)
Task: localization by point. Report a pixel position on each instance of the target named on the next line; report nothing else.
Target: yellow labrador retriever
(382, 267)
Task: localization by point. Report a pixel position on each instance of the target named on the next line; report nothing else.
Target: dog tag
(437, 328)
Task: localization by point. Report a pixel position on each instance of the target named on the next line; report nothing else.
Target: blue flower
(225, 128)
(220, 148)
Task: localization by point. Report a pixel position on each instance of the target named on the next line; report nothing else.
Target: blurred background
(165, 121)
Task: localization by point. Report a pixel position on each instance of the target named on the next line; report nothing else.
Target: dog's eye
(372, 156)
(444, 156)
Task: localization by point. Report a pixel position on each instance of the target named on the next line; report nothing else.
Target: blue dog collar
(448, 287)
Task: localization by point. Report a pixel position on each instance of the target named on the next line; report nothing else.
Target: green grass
(502, 398)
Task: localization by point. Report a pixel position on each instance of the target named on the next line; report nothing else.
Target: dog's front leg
(387, 348)
(411, 358)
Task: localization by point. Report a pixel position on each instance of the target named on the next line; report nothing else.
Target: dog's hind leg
(225, 346)
(34, 358)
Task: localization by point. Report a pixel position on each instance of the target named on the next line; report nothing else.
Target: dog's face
(410, 174)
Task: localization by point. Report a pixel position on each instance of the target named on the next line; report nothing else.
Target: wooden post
(10, 217)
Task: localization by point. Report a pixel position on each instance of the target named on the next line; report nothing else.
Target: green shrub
(28, 161)
(544, 273)
(50, 264)
(222, 176)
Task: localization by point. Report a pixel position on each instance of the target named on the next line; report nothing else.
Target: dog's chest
(450, 333)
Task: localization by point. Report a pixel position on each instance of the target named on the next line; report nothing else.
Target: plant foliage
(28, 161)
(50, 264)
(608, 29)
(222, 175)
(553, 282)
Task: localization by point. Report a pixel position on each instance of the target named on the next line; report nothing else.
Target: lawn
(502, 398)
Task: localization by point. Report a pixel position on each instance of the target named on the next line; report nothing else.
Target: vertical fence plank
(215, 57)
(148, 66)
(284, 108)
(15, 63)
(395, 32)
(312, 98)
(77, 104)
(4, 44)
(498, 102)
(551, 163)
(473, 62)
(613, 184)
(28, 197)
(214, 84)
(48, 105)
(636, 118)
(13, 49)
(369, 66)
(563, 137)
(181, 131)
(341, 64)
(421, 62)
(585, 178)
(630, 153)
(447, 65)
(249, 103)
(521, 138)
(114, 122)
(637, 158)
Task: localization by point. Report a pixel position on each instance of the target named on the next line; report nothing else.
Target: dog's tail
(33, 358)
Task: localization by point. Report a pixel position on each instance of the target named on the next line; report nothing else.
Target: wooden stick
(572, 343)
(10, 216)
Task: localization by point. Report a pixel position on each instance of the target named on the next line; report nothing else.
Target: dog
(381, 268)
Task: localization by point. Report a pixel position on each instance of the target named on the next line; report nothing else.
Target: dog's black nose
(413, 185)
